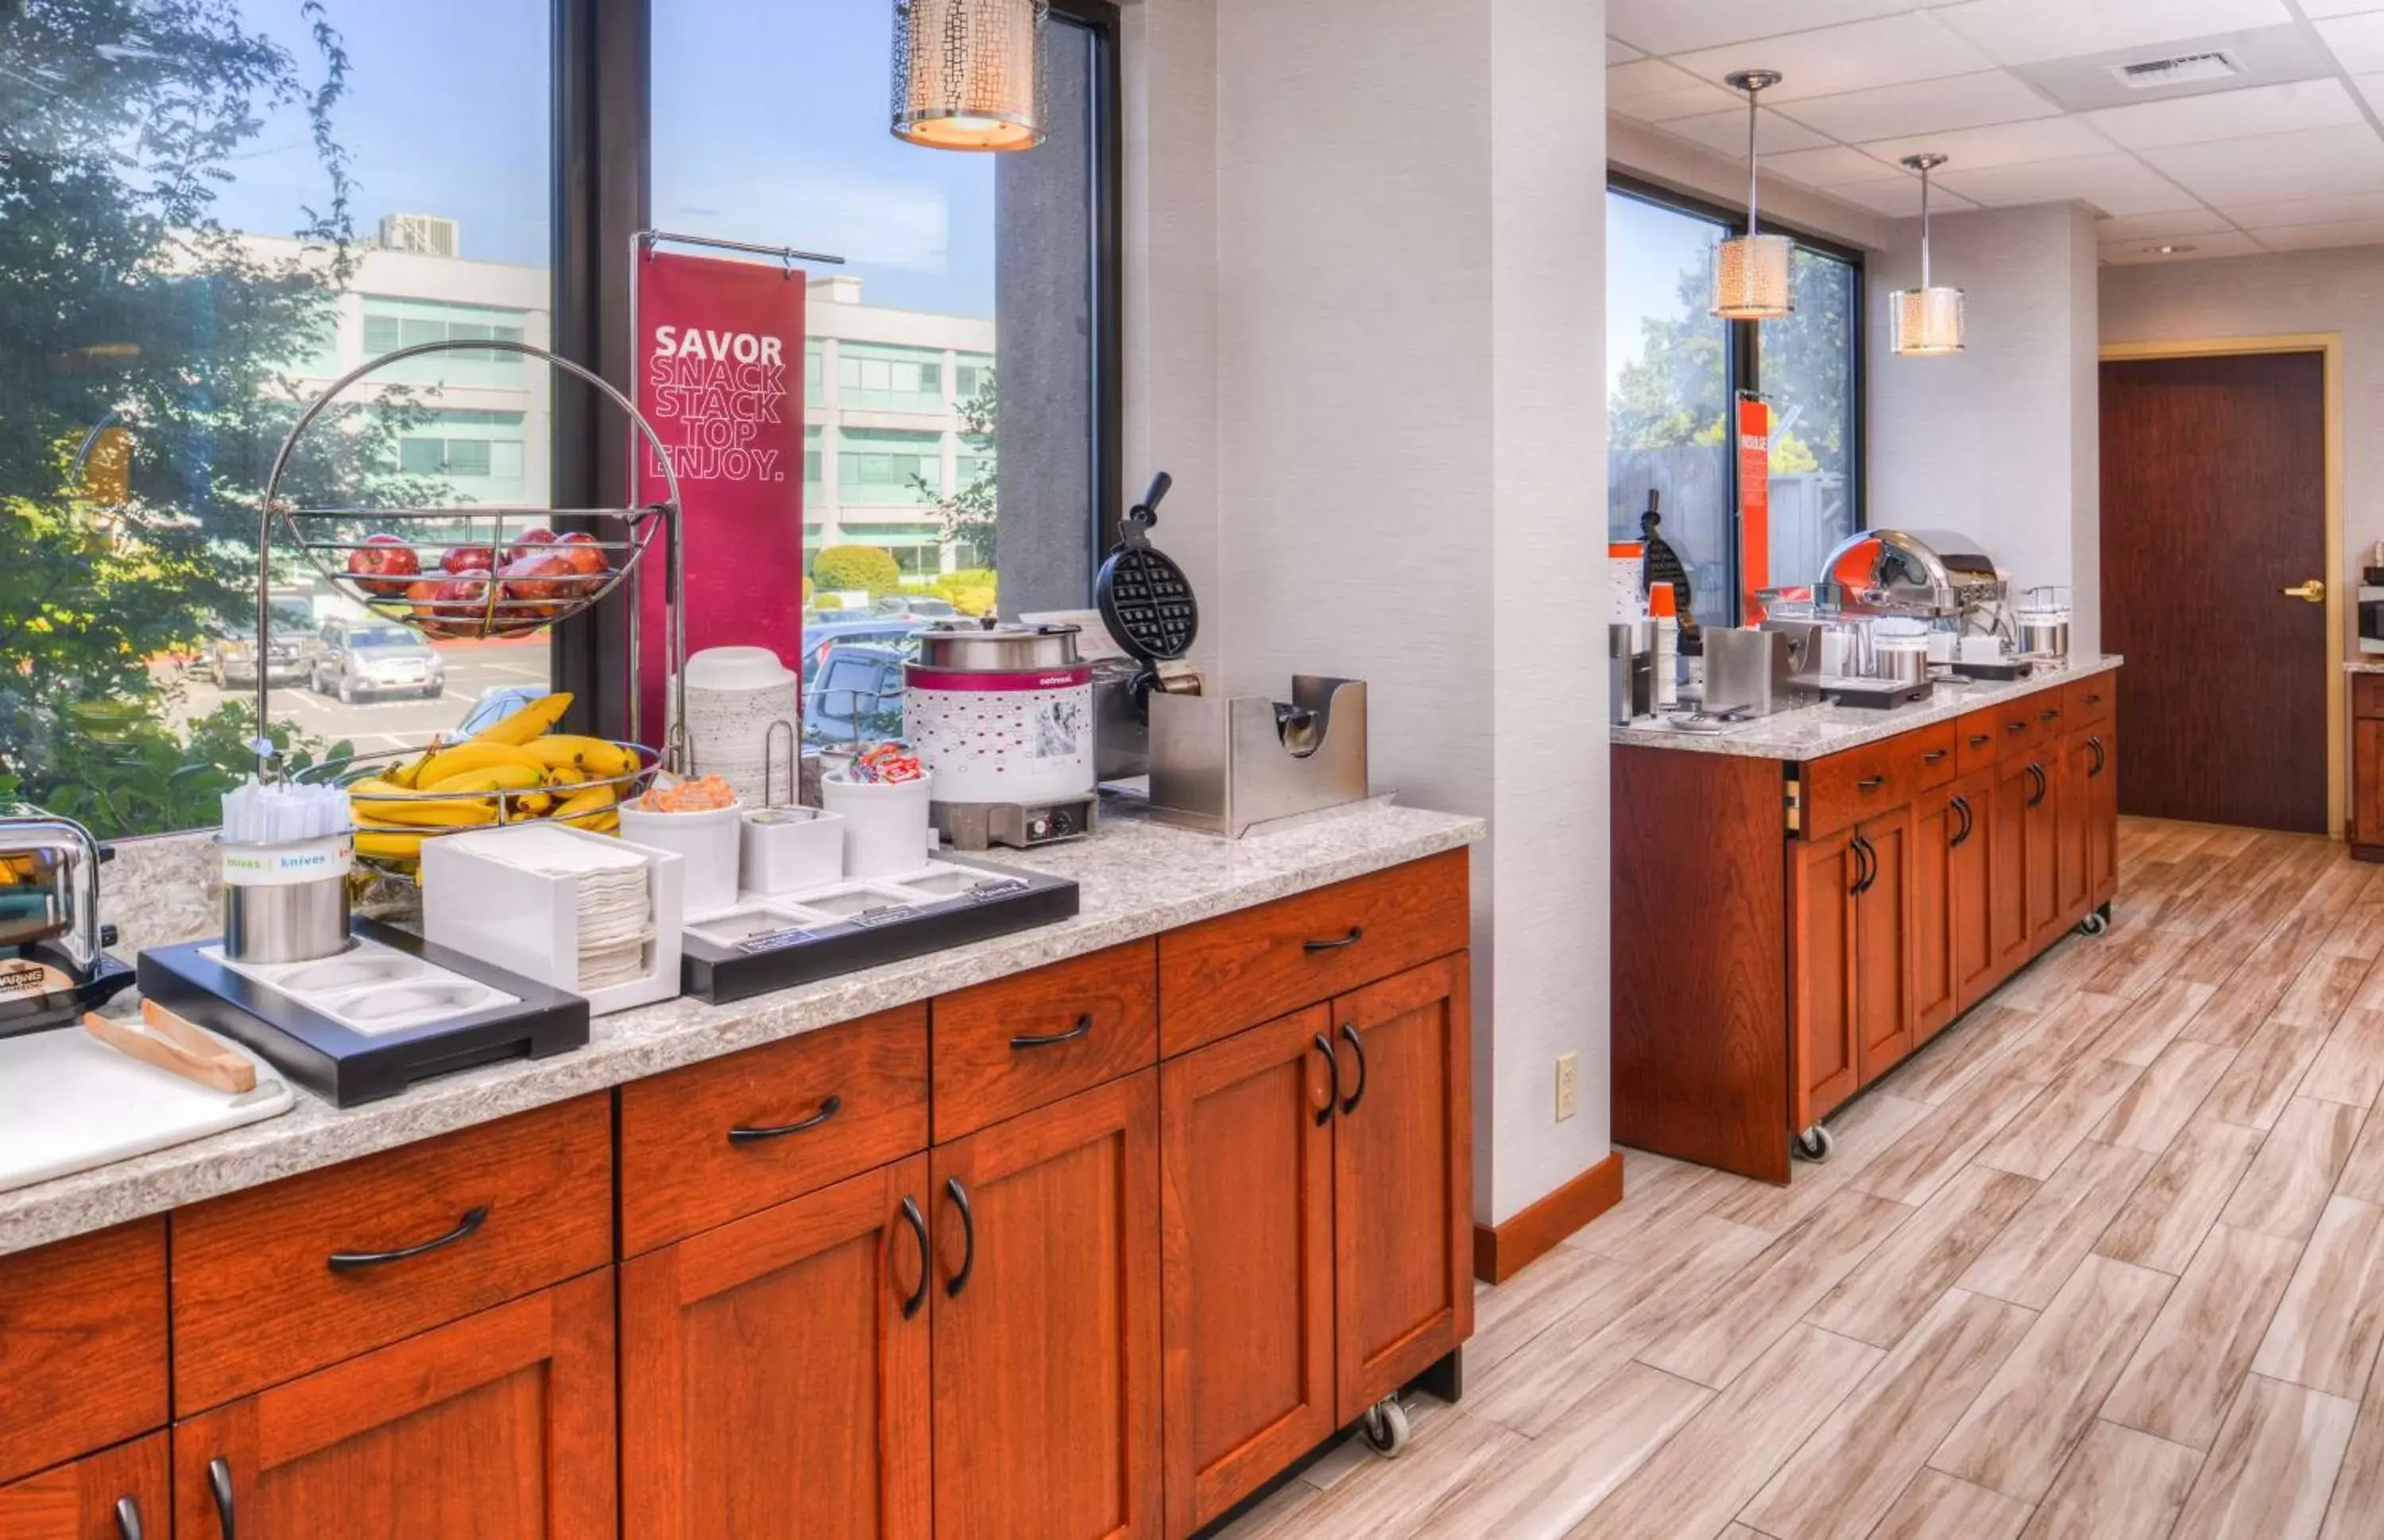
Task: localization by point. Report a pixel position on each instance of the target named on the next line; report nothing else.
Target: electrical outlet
(1568, 1085)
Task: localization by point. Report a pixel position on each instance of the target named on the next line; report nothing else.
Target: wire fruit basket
(394, 818)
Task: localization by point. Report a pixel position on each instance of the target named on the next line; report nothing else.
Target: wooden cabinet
(2072, 821)
(82, 1346)
(1046, 1328)
(1246, 1245)
(1936, 824)
(1883, 947)
(1969, 901)
(2016, 864)
(2103, 814)
(119, 1494)
(2040, 843)
(1825, 1063)
(493, 1427)
(1022, 1042)
(775, 1371)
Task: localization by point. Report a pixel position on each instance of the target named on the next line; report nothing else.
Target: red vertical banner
(720, 352)
(1754, 504)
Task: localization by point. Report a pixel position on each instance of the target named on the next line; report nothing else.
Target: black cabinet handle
(1357, 933)
(1333, 1083)
(2036, 772)
(1870, 783)
(351, 1261)
(2092, 700)
(1979, 740)
(2015, 726)
(1934, 755)
(918, 1223)
(958, 1195)
(2102, 758)
(219, 1484)
(828, 1108)
(2048, 715)
(1349, 1035)
(128, 1518)
(1048, 1039)
(1961, 836)
(1866, 865)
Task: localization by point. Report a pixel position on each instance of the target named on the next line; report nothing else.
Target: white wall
(1999, 441)
(1365, 289)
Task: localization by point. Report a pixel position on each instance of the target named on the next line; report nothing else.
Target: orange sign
(1753, 502)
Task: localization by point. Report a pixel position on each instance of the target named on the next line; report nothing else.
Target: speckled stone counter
(1138, 878)
(1810, 732)
(2369, 663)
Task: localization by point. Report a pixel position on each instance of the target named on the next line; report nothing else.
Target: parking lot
(405, 723)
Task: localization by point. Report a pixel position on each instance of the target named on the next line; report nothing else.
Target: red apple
(532, 539)
(541, 577)
(461, 559)
(585, 553)
(385, 566)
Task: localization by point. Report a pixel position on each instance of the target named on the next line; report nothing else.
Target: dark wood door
(1046, 1333)
(1969, 868)
(1402, 1180)
(495, 1427)
(774, 1371)
(119, 1494)
(1935, 822)
(1245, 1248)
(2214, 501)
(1883, 944)
(1824, 1062)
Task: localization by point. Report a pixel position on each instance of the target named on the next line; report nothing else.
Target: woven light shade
(1751, 279)
(968, 73)
(1925, 323)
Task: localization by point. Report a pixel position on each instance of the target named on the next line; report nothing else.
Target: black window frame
(602, 197)
(1746, 351)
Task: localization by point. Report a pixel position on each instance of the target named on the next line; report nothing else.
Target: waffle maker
(53, 963)
(1144, 599)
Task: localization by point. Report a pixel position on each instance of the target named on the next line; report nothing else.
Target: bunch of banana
(512, 770)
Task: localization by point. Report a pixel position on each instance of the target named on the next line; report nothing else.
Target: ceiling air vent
(2184, 69)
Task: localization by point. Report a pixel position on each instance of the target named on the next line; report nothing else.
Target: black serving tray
(1994, 673)
(1019, 901)
(345, 1067)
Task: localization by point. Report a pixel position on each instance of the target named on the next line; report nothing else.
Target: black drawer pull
(1048, 1039)
(828, 1108)
(1357, 933)
(918, 1223)
(2036, 772)
(2102, 758)
(958, 1195)
(351, 1261)
(1870, 783)
(2015, 726)
(128, 1518)
(1333, 1082)
(1934, 755)
(1979, 740)
(1349, 1035)
(2047, 716)
(219, 1484)
(1961, 836)
(2092, 700)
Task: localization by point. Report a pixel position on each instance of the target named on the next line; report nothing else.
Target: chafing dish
(1925, 574)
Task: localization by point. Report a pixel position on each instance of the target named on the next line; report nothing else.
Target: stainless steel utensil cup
(290, 921)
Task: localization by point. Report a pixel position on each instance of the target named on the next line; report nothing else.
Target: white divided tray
(371, 988)
(759, 914)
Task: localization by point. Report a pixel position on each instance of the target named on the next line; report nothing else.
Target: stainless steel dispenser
(1227, 764)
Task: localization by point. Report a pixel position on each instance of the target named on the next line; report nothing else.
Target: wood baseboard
(1501, 1251)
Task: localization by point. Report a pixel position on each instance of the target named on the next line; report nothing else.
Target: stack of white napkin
(617, 918)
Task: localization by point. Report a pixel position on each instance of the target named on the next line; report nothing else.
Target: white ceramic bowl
(736, 668)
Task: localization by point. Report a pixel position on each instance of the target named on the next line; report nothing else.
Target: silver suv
(369, 657)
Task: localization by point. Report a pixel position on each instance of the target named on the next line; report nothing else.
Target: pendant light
(968, 73)
(1751, 270)
(1925, 322)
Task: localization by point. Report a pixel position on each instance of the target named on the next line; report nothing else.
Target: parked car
(858, 693)
(919, 606)
(873, 630)
(231, 655)
(496, 703)
(368, 657)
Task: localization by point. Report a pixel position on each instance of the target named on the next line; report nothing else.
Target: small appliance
(1002, 717)
(53, 963)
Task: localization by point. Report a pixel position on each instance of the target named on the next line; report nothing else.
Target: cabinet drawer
(82, 1345)
(1238, 969)
(1018, 1043)
(113, 1494)
(2095, 700)
(1935, 758)
(1977, 739)
(2021, 725)
(282, 1279)
(1845, 789)
(730, 1136)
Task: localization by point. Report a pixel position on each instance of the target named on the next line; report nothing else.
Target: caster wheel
(2092, 925)
(1386, 1427)
(1816, 1144)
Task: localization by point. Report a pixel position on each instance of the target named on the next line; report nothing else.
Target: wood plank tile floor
(2105, 1260)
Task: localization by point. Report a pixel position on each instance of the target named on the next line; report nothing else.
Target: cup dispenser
(1226, 764)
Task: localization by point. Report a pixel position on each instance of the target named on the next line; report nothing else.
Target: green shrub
(869, 568)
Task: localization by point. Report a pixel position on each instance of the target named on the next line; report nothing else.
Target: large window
(1672, 372)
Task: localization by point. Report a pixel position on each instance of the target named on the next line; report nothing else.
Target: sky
(769, 125)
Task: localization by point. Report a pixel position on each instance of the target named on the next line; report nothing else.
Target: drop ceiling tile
(2275, 213)
(1620, 52)
(2167, 225)
(1677, 26)
(1923, 107)
(1833, 167)
(2115, 184)
(2228, 114)
(2223, 243)
(2303, 164)
(2304, 238)
(2002, 144)
(1725, 132)
(1856, 57)
(1898, 197)
(1655, 92)
(2372, 88)
(2029, 31)
(2337, 7)
(2357, 41)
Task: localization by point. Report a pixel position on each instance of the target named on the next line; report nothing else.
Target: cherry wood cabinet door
(82, 1346)
(1969, 871)
(119, 1494)
(1246, 1261)
(774, 1371)
(2008, 888)
(2040, 815)
(498, 1426)
(1936, 824)
(1824, 1063)
(1402, 1179)
(2073, 824)
(1883, 944)
(1045, 1322)
(2103, 816)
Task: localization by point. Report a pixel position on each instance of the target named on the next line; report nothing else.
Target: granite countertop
(1137, 878)
(1810, 732)
(2366, 663)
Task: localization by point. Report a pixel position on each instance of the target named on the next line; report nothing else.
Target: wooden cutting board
(68, 1103)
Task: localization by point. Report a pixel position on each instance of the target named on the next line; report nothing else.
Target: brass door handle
(2311, 593)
